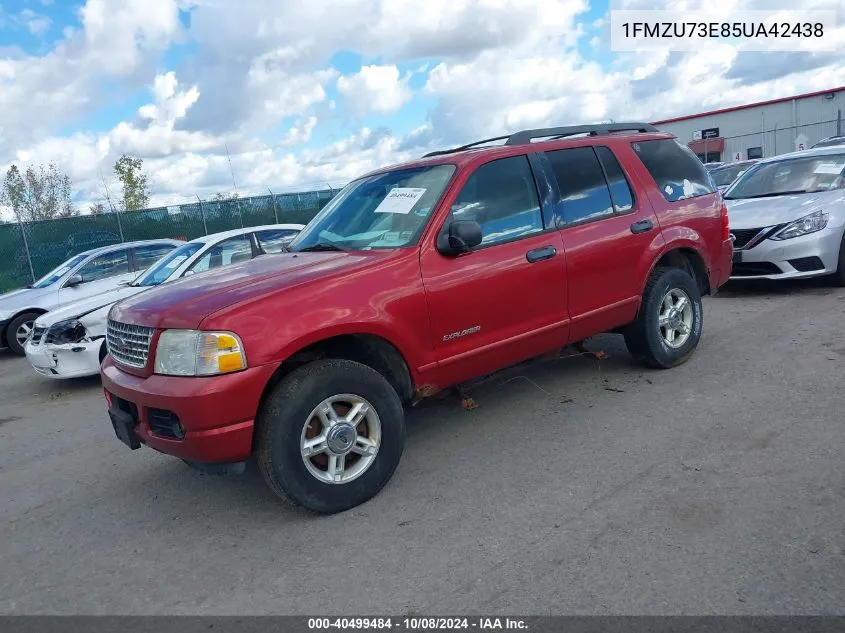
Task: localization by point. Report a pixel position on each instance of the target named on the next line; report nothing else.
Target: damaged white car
(71, 342)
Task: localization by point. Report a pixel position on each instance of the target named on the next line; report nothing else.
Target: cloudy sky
(312, 92)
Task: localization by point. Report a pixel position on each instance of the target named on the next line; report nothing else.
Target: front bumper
(216, 413)
(813, 255)
(72, 360)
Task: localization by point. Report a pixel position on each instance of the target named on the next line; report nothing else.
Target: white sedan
(84, 275)
(71, 342)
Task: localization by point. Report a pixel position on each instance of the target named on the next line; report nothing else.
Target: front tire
(330, 436)
(668, 327)
(18, 331)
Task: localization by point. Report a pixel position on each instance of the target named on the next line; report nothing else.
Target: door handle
(641, 227)
(539, 254)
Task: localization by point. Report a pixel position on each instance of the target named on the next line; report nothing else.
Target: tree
(223, 197)
(96, 208)
(39, 193)
(136, 192)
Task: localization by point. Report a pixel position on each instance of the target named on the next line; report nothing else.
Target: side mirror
(74, 280)
(459, 236)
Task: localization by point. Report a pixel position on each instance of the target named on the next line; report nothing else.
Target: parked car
(830, 141)
(725, 175)
(79, 242)
(413, 279)
(81, 276)
(714, 165)
(71, 342)
(788, 216)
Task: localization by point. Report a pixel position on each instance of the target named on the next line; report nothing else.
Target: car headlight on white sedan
(197, 353)
(65, 332)
(804, 226)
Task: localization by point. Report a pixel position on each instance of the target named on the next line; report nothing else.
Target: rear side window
(583, 189)
(676, 170)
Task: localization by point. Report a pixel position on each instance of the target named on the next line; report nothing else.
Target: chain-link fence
(30, 250)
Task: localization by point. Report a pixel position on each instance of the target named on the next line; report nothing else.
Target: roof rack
(468, 146)
(552, 133)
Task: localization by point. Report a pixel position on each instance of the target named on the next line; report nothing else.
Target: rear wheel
(330, 436)
(668, 326)
(19, 330)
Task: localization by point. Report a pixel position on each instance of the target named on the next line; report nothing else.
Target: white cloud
(117, 38)
(262, 85)
(119, 32)
(35, 23)
(375, 89)
(299, 133)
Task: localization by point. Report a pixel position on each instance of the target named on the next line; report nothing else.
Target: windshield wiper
(771, 194)
(321, 246)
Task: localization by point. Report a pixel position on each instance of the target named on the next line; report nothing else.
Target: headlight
(808, 224)
(196, 353)
(63, 332)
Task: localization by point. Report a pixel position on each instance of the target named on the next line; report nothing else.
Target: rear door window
(584, 194)
(620, 189)
(230, 251)
(676, 170)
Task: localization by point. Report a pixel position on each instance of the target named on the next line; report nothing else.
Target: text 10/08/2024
(416, 624)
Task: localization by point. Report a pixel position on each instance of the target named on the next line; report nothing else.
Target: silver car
(787, 217)
(84, 275)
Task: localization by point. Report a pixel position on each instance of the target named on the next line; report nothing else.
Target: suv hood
(85, 306)
(17, 300)
(186, 302)
(753, 213)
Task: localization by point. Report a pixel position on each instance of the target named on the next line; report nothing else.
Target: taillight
(726, 228)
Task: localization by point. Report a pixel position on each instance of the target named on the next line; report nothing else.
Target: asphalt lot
(576, 487)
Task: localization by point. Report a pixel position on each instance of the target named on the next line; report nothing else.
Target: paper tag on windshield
(828, 168)
(400, 200)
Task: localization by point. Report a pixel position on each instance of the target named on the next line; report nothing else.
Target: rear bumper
(721, 271)
(217, 413)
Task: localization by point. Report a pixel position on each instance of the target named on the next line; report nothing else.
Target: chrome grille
(37, 334)
(129, 344)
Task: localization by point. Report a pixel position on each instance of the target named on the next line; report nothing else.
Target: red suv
(415, 278)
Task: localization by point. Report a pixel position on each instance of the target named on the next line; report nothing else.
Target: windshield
(794, 175)
(388, 210)
(830, 142)
(726, 175)
(160, 271)
(58, 272)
